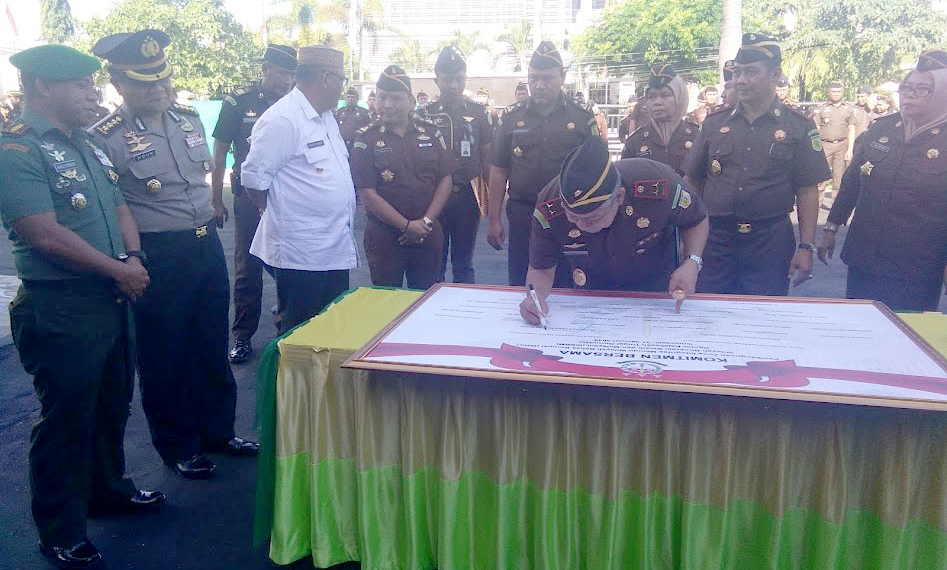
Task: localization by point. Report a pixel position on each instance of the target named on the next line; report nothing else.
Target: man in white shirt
(297, 171)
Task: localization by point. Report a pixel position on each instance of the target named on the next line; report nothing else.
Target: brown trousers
(835, 154)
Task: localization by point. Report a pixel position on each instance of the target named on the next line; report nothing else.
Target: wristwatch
(830, 227)
(810, 247)
(428, 222)
(142, 256)
(698, 260)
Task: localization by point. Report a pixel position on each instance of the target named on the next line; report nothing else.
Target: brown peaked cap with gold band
(137, 55)
(393, 78)
(661, 75)
(757, 47)
(588, 177)
(546, 56)
(932, 60)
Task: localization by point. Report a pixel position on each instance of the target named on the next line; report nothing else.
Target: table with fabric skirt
(409, 471)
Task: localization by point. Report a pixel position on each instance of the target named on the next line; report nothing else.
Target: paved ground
(207, 525)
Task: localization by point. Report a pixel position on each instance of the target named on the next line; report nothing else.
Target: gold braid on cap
(661, 73)
(926, 55)
(556, 58)
(397, 78)
(148, 77)
(584, 199)
(137, 66)
(758, 47)
(282, 51)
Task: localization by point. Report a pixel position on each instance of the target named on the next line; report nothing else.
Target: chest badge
(883, 140)
(574, 233)
(113, 176)
(715, 167)
(47, 146)
(379, 144)
(251, 113)
(780, 135)
(643, 223)
(688, 131)
(629, 211)
(570, 126)
(468, 119)
(187, 127)
(644, 148)
(387, 175)
(78, 202)
(517, 151)
(777, 112)
(424, 138)
(206, 166)
(935, 131)
(579, 277)
(521, 123)
(688, 144)
(933, 153)
(725, 129)
(58, 155)
(866, 168)
(153, 185)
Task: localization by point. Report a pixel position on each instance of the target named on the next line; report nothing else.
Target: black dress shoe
(140, 502)
(241, 351)
(240, 446)
(78, 556)
(196, 467)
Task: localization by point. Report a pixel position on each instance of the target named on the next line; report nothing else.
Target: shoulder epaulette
(423, 122)
(719, 109)
(797, 110)
(635, 132)
(17, 129)
(550, 210)
(240, 91)
(690, 122)
(890, 117)
(106, 126)
(187, 109)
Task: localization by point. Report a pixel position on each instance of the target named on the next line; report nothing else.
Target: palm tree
(466, 43)
(365, 18)
(412, 56)
(731, 31)
(309, 22)
(519, 37)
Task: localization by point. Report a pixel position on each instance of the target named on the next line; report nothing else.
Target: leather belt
(744, 226)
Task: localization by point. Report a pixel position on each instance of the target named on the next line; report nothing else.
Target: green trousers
(73, 338)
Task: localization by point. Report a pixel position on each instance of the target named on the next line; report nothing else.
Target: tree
(366, 18)
(310, 22)
(465, 42)
(857, 41)
(209, 50)
(56, 24)
(685, 32)
(731, 31)
(521, 41)
(412, 56)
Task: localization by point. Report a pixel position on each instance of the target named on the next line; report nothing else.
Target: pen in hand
(539, 309)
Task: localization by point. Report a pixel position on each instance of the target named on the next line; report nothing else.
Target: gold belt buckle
(201, 232)
(744, 227)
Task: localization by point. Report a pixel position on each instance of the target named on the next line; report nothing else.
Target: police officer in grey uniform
(162, 159)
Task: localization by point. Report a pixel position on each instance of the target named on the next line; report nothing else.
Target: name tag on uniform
(382, 150)
(194, 140)
(145, 155)
(316, 144)
(425, 145)
(879, 146)
(517, 131)
(250, 119)
(64, 166)
(103, 158)
(573, 253)
(465, 148)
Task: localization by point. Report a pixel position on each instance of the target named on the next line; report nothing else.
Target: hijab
(665, 129)
(935, 112)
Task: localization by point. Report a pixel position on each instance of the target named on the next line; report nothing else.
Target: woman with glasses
(896, 249)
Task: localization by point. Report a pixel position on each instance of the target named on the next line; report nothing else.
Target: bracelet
(830, 227)
(406, 226)
(810, 247)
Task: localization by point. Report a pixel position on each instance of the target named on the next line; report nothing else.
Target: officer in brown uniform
(468, 131)
(612, 226)
(729, 95)
(864, 112)
(402, 170)
(836, 122)
(752, 163)
(896, 248)
(667, 97)
(351, 118)
(530, 144)
(238, 113)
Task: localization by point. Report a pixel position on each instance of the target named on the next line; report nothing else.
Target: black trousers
(247, 269)
(392, 264)
(187, 388)
(520, 217)
(460, 221)
(73, 338)
(898, 294)
(302, 295)
(754, 263)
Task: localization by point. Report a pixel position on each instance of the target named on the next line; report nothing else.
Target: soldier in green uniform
(162, 159)
(752, 164)
(402, 170)
(238, 113)
(468, 131)
(530, 144)
(351, 118)
(669, 136)
(612, 226)
(836, 122)
(77, 252)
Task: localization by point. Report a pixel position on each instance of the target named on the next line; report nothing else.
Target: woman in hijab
(896, 249)
(668, 136)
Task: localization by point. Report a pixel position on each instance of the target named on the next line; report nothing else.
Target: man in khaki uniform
(835, 120)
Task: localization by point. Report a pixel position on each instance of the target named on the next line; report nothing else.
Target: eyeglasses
(915, 90)
(342, 78)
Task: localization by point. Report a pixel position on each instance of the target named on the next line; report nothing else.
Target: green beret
(661, 75)
(929, 60)
(55, 62)
(546, 56)
(588, 177)
(449, 61)
(394, 79)
(757, 47)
